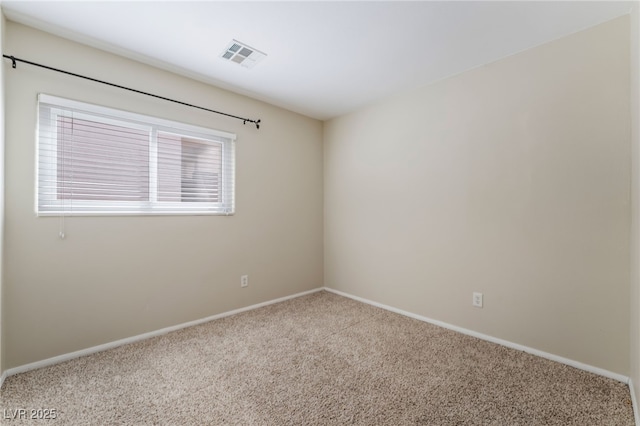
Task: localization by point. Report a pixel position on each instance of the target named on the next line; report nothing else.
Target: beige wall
(511, 179)
(635, 201)
(2, 37)
(114, 277)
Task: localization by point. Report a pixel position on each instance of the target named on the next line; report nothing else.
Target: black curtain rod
(244, 120)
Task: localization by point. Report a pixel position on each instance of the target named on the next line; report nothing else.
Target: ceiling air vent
(242, 54)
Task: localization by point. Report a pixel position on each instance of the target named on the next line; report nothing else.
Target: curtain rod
(14, 65)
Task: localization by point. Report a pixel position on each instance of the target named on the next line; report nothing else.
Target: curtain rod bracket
(14, 65)
(256, 122)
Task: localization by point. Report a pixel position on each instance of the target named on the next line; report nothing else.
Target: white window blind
(97, 160)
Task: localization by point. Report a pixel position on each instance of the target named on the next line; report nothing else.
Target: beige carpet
(317, 360)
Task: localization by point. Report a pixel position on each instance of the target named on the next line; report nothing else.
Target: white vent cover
(242, 54)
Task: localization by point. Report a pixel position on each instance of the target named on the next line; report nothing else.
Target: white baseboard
(88, 351)
(634, 402)
(552, 357)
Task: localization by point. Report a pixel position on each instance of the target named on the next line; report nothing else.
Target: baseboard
(3, 376)
(634, 402)
(552, 357)
(88, 351)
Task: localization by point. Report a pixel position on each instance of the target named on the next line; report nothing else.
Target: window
(97, 160)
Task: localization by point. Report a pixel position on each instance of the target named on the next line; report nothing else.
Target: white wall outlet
(244, 281)
(477, 299)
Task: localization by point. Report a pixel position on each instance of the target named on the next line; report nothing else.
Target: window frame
(48, 204)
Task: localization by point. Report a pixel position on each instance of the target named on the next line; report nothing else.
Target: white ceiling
(324, 59)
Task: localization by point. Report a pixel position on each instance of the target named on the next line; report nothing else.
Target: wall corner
(634, 356)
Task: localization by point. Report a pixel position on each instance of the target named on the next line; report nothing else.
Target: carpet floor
(320, 359)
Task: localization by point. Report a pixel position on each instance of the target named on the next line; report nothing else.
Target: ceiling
(324, 59)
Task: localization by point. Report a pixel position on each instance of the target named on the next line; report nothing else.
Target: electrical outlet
(477, 299)
(244, 281)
